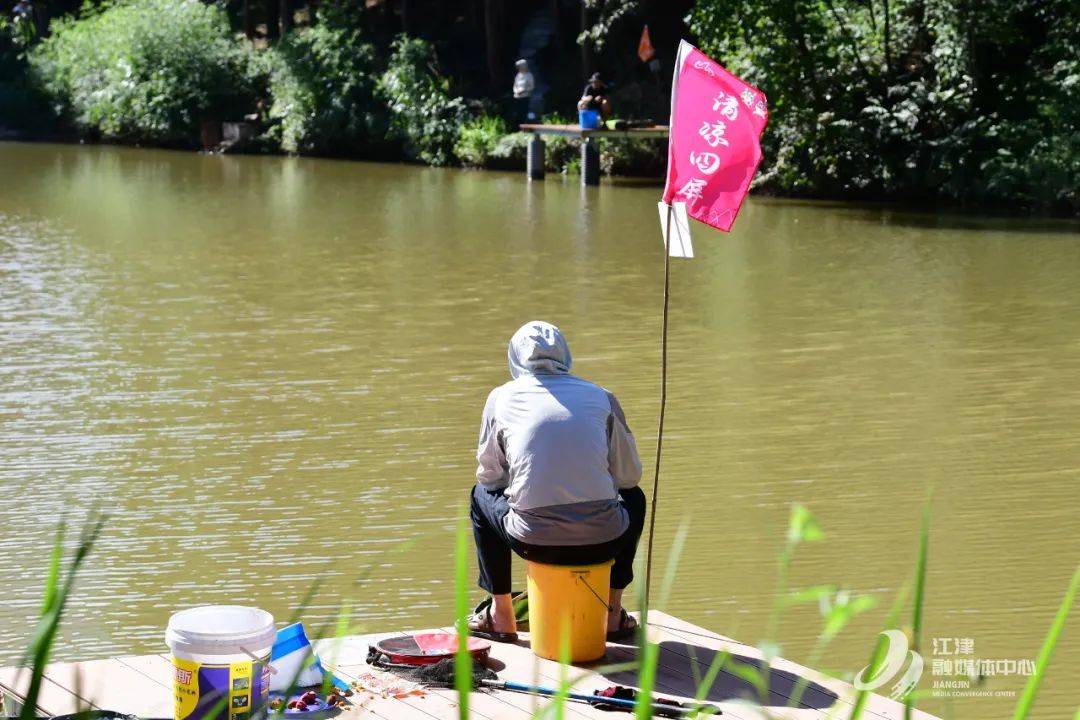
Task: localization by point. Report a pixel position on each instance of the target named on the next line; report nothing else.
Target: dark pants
(521, 109)
(493, 543)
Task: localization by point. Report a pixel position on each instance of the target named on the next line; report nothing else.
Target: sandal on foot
(627, 627)
(482, 625)
(520, 600)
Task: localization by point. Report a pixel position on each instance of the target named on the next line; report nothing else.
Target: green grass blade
(559, 706)
(57, 592)
(920, 594)
(340, 631)
(751, 674)
(877, 657)
(705, 686)
(52, 579)
(673, 563)
(462, 658)
(648, 652)
(305, 601)
(1031, 689)
(49, 595)
(649, 660)
(803, 527)
(837, 610)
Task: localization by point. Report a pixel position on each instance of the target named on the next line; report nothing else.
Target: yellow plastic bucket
(574, 597)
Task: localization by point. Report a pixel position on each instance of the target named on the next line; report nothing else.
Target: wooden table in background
(590, 154)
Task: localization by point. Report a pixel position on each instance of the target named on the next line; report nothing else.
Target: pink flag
(713, 148)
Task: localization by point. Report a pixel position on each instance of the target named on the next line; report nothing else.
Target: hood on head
(538, 348)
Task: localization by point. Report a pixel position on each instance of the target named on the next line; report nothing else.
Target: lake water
(270, 371)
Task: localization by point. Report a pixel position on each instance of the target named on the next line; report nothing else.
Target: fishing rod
(663, 407)
(672, 709)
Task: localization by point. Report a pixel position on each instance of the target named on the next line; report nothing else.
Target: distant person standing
(595, 97)
(24, 21)
(524, 84)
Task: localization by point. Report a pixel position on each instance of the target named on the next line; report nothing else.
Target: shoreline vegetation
(926, 103)
(838, 607)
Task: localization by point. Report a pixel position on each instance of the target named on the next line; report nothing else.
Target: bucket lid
(224, 629)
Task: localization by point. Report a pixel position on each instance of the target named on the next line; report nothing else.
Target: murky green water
(271, 371)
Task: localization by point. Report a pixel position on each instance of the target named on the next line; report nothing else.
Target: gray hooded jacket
(558, 445)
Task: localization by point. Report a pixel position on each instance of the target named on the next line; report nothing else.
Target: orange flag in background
(645, 50)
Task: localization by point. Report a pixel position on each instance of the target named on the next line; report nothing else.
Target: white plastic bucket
(221, 652)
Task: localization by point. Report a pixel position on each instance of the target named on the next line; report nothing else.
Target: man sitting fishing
(557, 481)
(595, 97)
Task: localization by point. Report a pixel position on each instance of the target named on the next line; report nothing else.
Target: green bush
(423, 115)
(322, 82)
(145, 70)
(510, 151)
(563, 154)
(622, 156)
(478, 140)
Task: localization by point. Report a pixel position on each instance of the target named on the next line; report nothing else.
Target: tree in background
(321, 83)
(144, 70)
(920, 99)
(923, 100)
(425, 118)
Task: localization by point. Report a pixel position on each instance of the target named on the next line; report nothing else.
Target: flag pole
(663, 342)
(663, 405)
(708, 77)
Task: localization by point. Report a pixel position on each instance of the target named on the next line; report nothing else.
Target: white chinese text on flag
(713, 146)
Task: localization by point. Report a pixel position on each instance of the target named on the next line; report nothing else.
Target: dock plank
(347, 659)
(158, 668)
(110, 684)
(823, 692)
(675, 677)
(520, 664)
(679, 652)
(52, 699)
(877, 707)
(523, 666)
(143, 684)
(652, 131)
(354, 649)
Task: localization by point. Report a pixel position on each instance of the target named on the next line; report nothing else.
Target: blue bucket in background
(588, 119)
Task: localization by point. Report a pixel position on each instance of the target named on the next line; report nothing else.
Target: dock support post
(590, 162)
(534, 164)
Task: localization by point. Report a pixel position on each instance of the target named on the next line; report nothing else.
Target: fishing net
(439, 674)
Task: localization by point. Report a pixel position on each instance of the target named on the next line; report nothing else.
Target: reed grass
(704, 685)
(838, 609)
(920, 595)
(563, 688)
(462, 659)
(877, 656)
(1031, 689)
(648, 656)
(60, 583)
(59, 586)
(802, 528)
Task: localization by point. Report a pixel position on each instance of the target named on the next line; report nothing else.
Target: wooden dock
(142, 685)
(590, 153)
